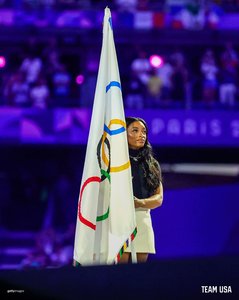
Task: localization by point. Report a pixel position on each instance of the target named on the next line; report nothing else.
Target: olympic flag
(106, 217)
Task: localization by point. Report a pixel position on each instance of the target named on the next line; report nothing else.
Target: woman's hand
(152, 202)
(138, 202)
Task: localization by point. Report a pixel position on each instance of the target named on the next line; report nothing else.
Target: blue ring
(113, 132)
(111, 84)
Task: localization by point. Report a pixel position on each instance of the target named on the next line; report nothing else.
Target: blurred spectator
(228, 76)
(61, 84)
(39, 93)
(17, 90)
(32, 66)
(179, 78)
(87, 89)
(141, 67)
(209, 71)
(165, 73)
(126, 5)
(177, 57)
(154, 89)
(136, 93)
(51, 57)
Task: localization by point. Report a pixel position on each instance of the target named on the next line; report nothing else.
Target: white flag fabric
(106, 216)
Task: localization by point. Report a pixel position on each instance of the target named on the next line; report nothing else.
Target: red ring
(82, 219)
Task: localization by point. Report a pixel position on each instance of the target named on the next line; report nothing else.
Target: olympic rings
(104, 174)
(99, 218)
(113, 132)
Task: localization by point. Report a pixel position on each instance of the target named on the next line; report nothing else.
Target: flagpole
(133, 253)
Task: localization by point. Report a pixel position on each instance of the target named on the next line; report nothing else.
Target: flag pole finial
(107, 10)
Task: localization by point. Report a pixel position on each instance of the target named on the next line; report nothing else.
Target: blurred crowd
(39, 79)
(44, 74)
(211, 82)
(177, 78)
(120, 4)
(52, 249)
(44, 195)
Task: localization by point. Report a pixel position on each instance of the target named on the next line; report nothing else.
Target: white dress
(144, 240)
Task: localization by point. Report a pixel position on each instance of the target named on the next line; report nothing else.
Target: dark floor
(168, 279)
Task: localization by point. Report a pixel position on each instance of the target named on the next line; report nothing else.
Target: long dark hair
(150, 164)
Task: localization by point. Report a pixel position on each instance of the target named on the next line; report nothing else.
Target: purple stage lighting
(156, 61)
(2, 61)
(80, 79)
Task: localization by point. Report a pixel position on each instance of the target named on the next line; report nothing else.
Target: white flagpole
(133, 253)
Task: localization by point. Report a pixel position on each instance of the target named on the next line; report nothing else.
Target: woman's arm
(154, 201)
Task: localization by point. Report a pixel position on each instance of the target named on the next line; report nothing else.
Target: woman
(147, 187)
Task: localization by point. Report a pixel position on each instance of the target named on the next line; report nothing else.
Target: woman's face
(136, 134)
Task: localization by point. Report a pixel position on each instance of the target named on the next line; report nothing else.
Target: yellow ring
(104, 158)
